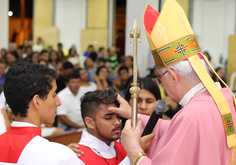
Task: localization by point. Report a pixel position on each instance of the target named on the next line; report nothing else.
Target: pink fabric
(199, 55)
(194, 136)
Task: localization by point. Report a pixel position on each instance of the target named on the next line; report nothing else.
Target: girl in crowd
(34, 57)
(149, 94)
(90, 69)
(9, 59)
(54, 60)
(129, 65)
(3, 52)
(101, 78)
(86, 85)
(221, 72)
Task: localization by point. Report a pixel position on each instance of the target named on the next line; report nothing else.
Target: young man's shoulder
(120, 150)
(48, 152)
(40, 151)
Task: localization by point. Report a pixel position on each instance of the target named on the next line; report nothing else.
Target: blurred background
(98, 22)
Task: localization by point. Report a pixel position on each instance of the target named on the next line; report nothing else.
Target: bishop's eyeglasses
(159, 79)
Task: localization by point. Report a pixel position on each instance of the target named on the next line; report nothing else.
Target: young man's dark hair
(15, 54)
(61, 80)
(90, 46)
(100, 49)
(101, 59)
(73, 75)
(59, 44)
(43, 51)
(91, 101)
(93, 56)
(78, 71)
(43, 62)
(144, 83)
(23, 82)
(123, 68)
(67, 65)
(98, 69)
(27, 47)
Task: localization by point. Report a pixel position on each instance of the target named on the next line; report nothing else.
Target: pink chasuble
(195, 136)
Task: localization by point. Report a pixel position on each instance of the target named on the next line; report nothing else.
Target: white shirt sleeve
(2, 124)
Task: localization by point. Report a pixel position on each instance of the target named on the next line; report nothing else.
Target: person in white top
(38, 47)
(33, 101)
(69, 113)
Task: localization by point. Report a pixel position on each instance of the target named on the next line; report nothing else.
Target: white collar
(197, 89)
(22, 124)
(93, 142)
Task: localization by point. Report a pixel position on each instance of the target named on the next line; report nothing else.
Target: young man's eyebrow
(109, 114)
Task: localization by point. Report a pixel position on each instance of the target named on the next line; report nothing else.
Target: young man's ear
(174, 76)
(89, 122)
(36, 101)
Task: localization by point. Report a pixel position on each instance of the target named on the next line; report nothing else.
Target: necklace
(103, 157)
(195, 94)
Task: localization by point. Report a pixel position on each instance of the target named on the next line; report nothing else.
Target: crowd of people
(81, 73)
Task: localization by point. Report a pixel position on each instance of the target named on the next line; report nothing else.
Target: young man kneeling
(103, 128)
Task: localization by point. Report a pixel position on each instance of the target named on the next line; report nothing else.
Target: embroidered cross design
(229, 124)
(158, 58)
(181, 48)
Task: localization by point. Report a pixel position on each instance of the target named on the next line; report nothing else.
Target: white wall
(135, 8)
(213, 22)
(4, 19)
(70, 18)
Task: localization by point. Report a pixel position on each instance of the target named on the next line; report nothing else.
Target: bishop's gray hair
(186, 70)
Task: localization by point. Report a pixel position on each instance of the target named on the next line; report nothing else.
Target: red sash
(14, 141)
(90, 157)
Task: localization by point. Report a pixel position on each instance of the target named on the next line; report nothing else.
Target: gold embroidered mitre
(172, 40)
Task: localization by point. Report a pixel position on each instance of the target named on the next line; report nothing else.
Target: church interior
(79, 24)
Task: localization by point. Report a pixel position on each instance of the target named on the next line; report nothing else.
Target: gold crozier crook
(134, 90)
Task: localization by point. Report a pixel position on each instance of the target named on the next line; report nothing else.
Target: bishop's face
(169, 84)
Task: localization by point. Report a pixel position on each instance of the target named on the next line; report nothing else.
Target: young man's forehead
(104, 108)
